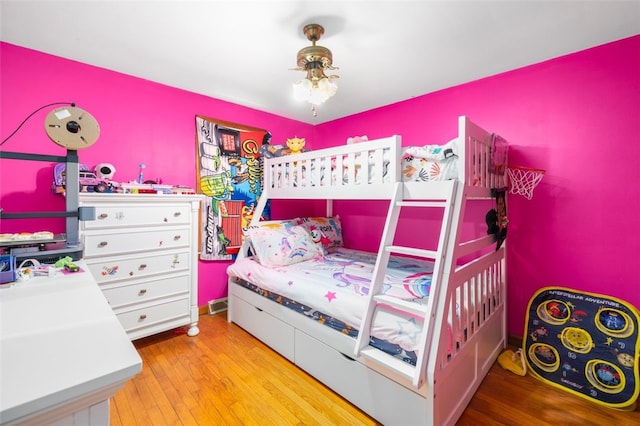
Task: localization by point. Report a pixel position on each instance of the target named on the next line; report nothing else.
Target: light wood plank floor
(224, 376)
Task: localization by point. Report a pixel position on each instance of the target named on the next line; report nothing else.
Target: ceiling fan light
(302, 89)
(327, 86)
(314, 92)
(317, 97)
(316, 87)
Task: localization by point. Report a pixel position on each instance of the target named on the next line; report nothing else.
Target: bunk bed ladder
(451, 206)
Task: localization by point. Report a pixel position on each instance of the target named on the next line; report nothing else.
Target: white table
(63, 352)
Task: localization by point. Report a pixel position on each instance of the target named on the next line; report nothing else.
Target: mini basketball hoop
(524, 180)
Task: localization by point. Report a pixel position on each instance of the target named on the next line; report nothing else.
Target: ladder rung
(395, 364)
(442, 203)
(429, 254)
(404, 305)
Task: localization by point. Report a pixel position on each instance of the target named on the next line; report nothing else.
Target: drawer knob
(142, 266)
(177, 214)
(103, 216)
(177, 238)
(143, 317)
(102, 244)
(142, 292)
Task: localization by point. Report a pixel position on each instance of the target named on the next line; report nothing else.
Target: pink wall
(576, 116)
(140, 122)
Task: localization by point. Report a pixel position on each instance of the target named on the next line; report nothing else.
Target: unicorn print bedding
(337, 285)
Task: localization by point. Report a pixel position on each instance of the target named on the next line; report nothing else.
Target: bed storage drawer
(275, 333)
(367, 389)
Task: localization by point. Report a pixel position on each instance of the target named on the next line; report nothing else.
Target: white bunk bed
(466, 302)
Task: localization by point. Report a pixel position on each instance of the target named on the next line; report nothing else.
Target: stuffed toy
(357, 139)
(296, 145)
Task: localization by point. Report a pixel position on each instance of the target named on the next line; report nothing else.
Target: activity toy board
(584, 343)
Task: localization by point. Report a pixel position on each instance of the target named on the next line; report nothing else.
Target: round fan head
(71, 127)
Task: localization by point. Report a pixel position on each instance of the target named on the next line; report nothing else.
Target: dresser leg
(193, 330)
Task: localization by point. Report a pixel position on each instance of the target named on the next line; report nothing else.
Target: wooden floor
(224, 376)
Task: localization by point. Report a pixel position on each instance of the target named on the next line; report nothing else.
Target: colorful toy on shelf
(88, 180)
(100, 180)
(140, 178)
(105, 171)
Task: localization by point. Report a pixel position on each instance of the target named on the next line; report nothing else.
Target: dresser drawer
(106, 270)
(119, 216)
(151, 315)
(131, 241)
(132, 293)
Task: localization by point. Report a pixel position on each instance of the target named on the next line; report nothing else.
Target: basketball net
(524, 180)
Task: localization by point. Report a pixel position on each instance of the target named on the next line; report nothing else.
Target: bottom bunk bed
(408, 333)
(306, 312)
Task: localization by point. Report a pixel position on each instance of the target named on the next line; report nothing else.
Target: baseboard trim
(515, 341)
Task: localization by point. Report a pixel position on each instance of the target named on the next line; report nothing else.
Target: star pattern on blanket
(410, 329)
(330, 295)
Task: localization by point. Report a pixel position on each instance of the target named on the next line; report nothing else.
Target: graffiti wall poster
(230, 176)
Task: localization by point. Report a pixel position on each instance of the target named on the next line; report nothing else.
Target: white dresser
(142, 249)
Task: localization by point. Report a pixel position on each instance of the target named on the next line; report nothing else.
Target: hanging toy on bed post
(496, 219)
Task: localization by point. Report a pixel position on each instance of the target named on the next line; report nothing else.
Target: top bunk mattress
(338, 284)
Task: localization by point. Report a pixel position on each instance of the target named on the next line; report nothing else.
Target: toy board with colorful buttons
(585, 343)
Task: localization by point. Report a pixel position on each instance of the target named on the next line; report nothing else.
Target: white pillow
(283, 245)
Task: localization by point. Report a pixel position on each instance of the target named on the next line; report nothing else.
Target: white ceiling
(242, 51)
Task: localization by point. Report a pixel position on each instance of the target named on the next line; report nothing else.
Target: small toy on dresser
(90, 181)
(100, 180)
(7, 270)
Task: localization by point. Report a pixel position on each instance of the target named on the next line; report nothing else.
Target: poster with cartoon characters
(229, 173)
(584, 343)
